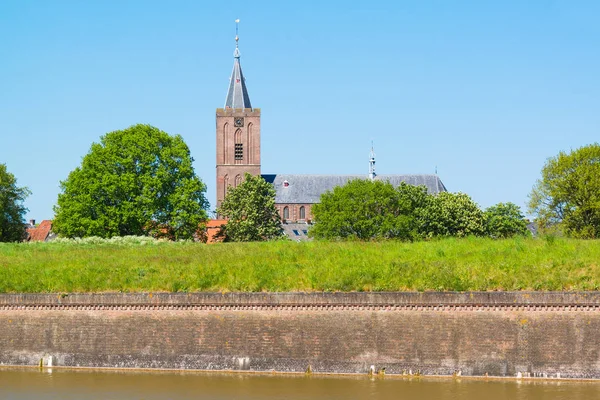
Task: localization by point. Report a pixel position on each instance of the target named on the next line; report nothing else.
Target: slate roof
(307, 189)
(296, 231)
(237, 95)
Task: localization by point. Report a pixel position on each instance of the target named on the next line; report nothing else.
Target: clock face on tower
(239, 122)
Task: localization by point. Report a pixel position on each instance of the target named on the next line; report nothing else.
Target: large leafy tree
(365, 209)
(250, 211)
(133, 181)
(568, 193)
(12, 210)
(505, 220)
(451, 214)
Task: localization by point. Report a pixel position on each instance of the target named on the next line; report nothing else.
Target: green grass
(451, 264)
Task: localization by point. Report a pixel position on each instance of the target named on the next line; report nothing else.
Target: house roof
(307, 189)
(41, 232)
(296, 231)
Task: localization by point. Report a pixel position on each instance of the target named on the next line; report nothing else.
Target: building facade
(238, 133)
(238, 152)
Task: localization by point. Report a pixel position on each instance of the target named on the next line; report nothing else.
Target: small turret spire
(372, 173)
(237, 95)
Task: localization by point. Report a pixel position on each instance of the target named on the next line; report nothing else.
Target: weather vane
(237, 23)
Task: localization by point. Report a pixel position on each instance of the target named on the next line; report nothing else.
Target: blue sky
(484, 90)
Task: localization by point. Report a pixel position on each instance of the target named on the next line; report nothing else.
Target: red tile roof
(40, 232)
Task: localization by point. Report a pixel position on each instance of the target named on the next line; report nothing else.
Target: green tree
(568, 193)
(451, 214)
(134, 181)
(365, 209)
(505, 220)
(250, 211)
(12, 210)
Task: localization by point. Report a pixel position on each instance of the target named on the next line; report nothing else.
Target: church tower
(238, 133)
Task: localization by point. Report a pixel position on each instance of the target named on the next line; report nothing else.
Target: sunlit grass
(449, 265)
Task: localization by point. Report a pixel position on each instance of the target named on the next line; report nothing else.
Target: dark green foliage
(250, 211)
(451, 214)
(365, 210)
(505, 220)
(12, 210)
(135, 181)
(568, 194)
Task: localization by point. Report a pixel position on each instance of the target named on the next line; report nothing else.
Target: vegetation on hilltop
(441, 265)
(567, 196)
(250, 211)
(12, 210)
(365, 210)
(137, 181)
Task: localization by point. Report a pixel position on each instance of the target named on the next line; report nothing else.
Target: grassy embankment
(452, 264)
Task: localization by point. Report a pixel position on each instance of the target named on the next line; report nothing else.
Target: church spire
(237, 95)
(372, 174)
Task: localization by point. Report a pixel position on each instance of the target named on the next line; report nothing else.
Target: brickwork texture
(498, 334)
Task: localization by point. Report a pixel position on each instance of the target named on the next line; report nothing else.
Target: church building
(238, 152)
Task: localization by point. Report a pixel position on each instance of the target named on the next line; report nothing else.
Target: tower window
(286, 213)
(239, 151)
(302, 212)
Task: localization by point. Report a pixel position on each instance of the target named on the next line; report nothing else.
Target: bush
(451, 214)
(505, 220)
(365, 210)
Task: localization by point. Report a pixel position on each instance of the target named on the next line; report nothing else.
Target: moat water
(31, 384)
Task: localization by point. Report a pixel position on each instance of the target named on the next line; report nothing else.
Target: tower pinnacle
(372, 174)
(236, 52)
(237, 95)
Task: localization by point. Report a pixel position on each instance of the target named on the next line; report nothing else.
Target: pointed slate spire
(237, 95)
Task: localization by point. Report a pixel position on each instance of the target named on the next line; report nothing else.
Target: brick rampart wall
(499, 334)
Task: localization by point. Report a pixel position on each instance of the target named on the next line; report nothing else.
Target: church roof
(307, 189)
(237, 95)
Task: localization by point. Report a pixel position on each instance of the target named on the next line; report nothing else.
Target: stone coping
(299, 298)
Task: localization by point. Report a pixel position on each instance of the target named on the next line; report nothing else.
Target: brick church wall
(229, 169)
(294, 211)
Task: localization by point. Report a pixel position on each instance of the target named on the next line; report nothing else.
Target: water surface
(32, 384)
